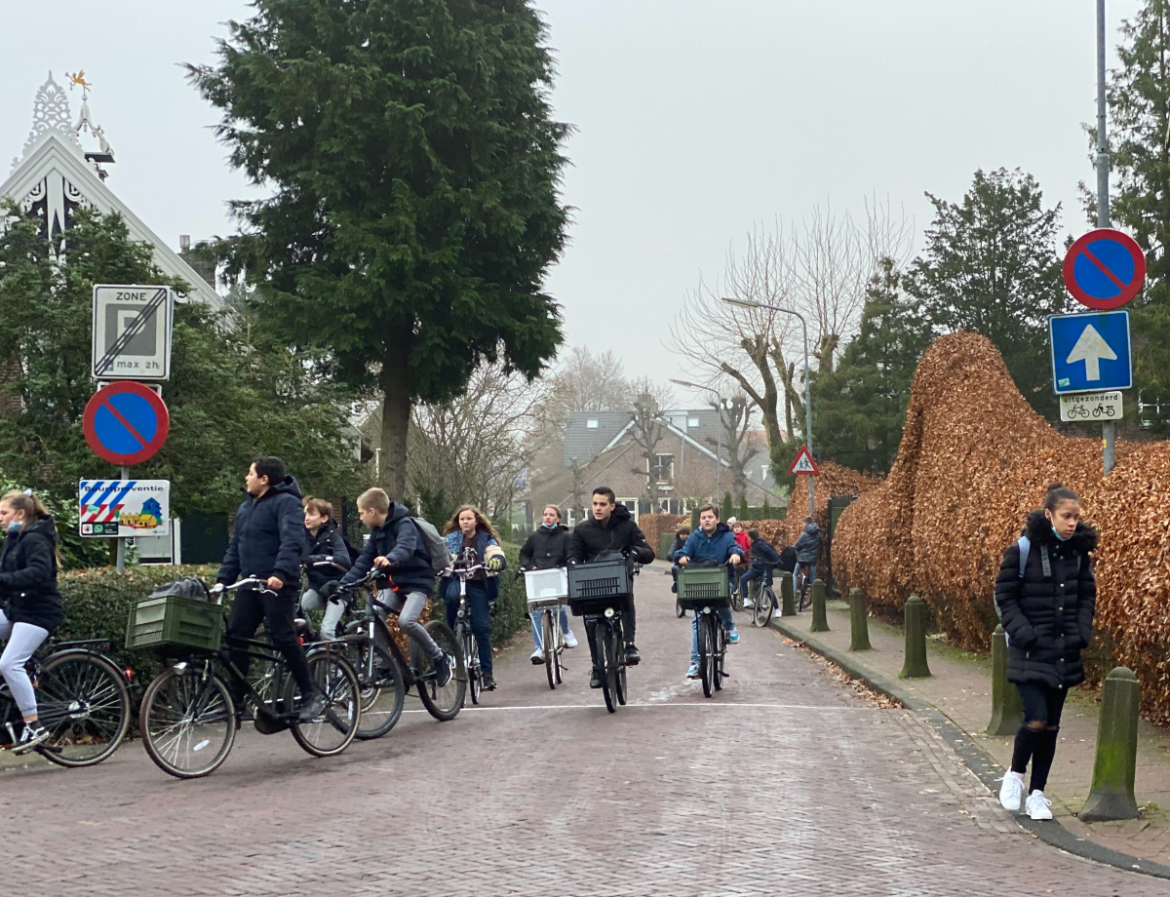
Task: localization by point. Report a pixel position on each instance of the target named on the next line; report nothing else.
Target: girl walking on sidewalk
(1046, 597)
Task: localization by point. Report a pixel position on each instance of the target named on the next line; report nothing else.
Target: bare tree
(735, 419)
(648, 429)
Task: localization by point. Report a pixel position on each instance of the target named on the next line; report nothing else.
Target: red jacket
(741, 539)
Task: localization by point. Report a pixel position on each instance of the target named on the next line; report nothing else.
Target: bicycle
(736, 594)
(802, 582)
(546, 596)
(83, 699)
(763, 600)
(383, 673)
(705, 590)
(600, 592)
(189, 708)
(464, 569)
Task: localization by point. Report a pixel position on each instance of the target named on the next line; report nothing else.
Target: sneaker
(32, 736)
(595, 679)
(570, 640)
(537, 657)
(633, 658)
(313, 708)
(1011, 792)
(733, 637)
(442, 670)
(489, 684)
(1038, 805)
(748, 604)
(693, 671)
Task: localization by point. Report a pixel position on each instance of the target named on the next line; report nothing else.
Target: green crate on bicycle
(700, 587)
(175, 622)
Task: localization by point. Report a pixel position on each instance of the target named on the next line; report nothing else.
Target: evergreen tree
(726, 510)
(991, 267)
(1139, 106)
(413, 168)
(861, 406)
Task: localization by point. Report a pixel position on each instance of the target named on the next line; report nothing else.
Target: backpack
(187, 587)
(436, 545)
(1025, 548)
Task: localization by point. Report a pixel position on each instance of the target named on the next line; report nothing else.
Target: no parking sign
(126, 423)
(1104, 269)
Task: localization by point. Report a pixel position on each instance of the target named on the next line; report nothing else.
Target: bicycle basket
(596, 585)
(546, 588)
(703, 587)
(175, 622)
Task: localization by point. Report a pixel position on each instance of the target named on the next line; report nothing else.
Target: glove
(496, 564)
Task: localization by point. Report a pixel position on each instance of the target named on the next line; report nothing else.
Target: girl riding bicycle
(545, 549)
(31, 605)
(325, 544)
(469, 529)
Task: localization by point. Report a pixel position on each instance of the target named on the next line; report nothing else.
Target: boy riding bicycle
(395, 545)
(712, 542)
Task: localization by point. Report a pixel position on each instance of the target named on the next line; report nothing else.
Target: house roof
(54, 170)
(583, 441)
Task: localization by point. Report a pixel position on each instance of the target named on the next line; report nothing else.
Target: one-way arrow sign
(1090, 352)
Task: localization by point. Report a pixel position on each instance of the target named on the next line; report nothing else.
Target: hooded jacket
(619, 532)
(808, 546)
(763, 555)
(269, 536)
(326, 544)
(717, 547)
(28, 576)
(398, 540)
(1048, 619)
(546, 549)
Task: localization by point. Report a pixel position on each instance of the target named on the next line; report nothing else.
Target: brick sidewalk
(960, 688)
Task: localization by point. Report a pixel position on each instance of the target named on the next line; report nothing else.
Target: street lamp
(748, 303)
(718, 433)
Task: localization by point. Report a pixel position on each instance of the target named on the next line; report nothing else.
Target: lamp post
(808, 441)
(718, 433)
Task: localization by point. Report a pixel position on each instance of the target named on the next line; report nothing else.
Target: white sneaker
(570, 640)
(1038, 806)
(1011, 792)
(748, 604)
(537, 657)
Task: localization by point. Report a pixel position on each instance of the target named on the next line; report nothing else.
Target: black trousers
(252, 607)
(629, 622)
(1041, 705)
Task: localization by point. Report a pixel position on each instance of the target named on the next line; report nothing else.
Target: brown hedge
(974, 459)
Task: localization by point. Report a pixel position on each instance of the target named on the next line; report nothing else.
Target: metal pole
(1108, 429)
(812, 487)
(719, 451)
(121, 541)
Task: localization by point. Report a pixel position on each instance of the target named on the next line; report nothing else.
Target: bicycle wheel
(678, 609)
(442, 703)
(383, 690)
(765, 604)
(706, 653)
(559, 655)
(470, 650)
(719, 655)
(548, 630)
(331, 732)
(84, 701)
(736, 596)
(619, 652)
(188, 722)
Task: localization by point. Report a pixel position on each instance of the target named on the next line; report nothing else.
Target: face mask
(1059, 537)
(13, 527)
(548, 527)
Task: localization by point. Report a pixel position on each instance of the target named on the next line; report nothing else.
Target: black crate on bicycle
(700, 587)
(594, 587)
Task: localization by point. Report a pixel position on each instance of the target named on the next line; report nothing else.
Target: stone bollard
(787, 595)
(858, 622)
(820, 619)
(915, 666)
(1007, 714)
(1111, 796)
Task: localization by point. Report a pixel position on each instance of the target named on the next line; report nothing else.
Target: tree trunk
(396, 407)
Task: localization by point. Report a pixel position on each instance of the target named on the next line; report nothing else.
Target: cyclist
(469, 530)
(763, 559)
(742, 540)
(396, 546)
(325, 544)
(712, 542)
(268, 542)
(30, 605)
(680, 539)
(612, 529)
(808, 550)
(545, 549)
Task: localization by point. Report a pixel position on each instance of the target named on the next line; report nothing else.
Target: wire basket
(546, 588)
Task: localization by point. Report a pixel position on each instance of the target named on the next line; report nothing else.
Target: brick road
(786, 783)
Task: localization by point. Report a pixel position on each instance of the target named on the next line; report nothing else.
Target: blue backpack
(1025, 548)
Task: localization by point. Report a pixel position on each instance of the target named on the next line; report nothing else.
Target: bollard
(1111, 796)
(915, 666)
(820, 619)
(787, 595)
(858, 622)
(1007, 714)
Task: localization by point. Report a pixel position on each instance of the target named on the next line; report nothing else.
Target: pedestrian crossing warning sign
(804, 464)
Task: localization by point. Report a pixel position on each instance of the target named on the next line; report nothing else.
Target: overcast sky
(695, 120)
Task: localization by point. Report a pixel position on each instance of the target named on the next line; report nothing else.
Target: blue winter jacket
(764, 555)
(398, 541)
(450, 586)
(718, 547)
(268, 538)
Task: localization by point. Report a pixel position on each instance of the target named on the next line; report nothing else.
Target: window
(764, 473)
(592, 423)
(663, 467)
(631, 504)
(692, 423)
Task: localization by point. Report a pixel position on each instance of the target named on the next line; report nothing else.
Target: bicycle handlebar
(251, 582)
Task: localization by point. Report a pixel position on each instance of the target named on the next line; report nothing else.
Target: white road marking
(644, 704)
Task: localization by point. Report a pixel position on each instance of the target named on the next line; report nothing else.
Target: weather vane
(78, 80)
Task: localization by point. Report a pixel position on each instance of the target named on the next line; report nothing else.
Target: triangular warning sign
(803, 463)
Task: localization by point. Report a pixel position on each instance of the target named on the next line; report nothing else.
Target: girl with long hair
(469, 531)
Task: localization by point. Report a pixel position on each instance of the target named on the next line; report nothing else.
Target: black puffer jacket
(326, 544)
(544, 550)
(269, 536)
(28, 576)
(619, 532)
(1048, 619)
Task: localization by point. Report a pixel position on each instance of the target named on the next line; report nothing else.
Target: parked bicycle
(83, 699)
(385, 676)
(189, 717)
